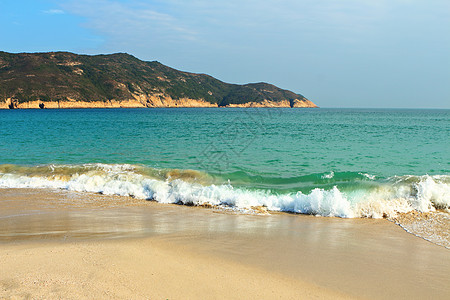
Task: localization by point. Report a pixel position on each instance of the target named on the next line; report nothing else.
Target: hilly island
(68, 80)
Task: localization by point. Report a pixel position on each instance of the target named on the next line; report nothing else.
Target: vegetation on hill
(59, 76)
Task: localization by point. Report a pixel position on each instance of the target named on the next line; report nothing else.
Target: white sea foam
(400, 194)
(328, 176)
(368, 176)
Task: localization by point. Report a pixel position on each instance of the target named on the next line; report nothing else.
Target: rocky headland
(68, 80)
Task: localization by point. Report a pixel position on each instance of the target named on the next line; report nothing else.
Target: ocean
(348, 163)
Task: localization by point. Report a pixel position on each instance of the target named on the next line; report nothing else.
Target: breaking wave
(359, 195)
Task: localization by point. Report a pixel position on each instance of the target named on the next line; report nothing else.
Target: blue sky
(338, 53)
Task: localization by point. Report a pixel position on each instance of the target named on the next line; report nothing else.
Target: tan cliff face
(160, 101)
(141, 100)
(283, 103)
(68, 104)
(138, 102)
(304, 103)
(265, 103)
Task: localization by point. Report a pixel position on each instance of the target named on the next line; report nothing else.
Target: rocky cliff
(67, 80)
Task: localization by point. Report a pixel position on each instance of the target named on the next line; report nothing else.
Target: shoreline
(62, 243)
(128, 107)
(149, 102)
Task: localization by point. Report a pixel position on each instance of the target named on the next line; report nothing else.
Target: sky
(337, 53)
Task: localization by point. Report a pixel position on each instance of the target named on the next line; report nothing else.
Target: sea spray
(381, 198)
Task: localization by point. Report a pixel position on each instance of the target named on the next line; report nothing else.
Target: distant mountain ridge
(68, 80)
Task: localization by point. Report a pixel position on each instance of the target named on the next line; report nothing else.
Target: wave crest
(383, 199)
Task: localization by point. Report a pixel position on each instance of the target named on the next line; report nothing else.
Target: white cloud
(228, 24)
(54, 12)
(129, 23)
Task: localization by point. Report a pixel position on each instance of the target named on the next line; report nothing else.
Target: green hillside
(58, 76)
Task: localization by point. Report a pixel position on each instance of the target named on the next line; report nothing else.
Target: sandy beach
(137, 269)
(56, 244)
(224, 150)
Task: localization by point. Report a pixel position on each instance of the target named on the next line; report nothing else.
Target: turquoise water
(258, 153)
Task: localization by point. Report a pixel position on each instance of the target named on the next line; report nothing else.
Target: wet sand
(431, 226)
(71, 245)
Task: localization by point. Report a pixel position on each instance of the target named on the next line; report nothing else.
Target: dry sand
(72, 245)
